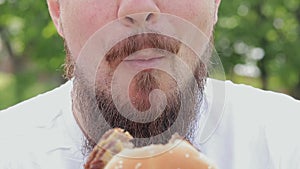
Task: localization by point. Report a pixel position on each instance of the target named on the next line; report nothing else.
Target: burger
(115, 151)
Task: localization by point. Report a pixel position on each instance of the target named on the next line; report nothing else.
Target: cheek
(80, 20)
(198, 12)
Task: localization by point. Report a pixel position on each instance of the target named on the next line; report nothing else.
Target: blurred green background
(258, 42)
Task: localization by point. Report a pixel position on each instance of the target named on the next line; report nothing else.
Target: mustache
(139, 42)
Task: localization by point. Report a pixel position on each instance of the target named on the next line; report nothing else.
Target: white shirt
(257, 130)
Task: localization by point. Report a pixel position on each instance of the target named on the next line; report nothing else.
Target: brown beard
(100, 113)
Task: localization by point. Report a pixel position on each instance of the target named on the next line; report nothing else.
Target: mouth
(146, 58)
(143, 49)
(144, 62)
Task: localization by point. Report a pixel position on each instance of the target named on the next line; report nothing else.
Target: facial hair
(100, 113)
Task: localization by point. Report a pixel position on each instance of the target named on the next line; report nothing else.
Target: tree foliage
(31, 53)
(260, 40)
(258, 43)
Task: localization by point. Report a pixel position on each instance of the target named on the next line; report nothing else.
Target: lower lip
(139, 63)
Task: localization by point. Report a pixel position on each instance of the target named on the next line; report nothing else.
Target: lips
(144, 62)
(144, 55)
(142, 59)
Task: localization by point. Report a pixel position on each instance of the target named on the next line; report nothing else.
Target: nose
(138, 13)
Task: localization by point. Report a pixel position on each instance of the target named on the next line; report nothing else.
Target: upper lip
(144, 56)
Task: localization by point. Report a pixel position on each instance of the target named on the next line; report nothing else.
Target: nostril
(129, 19)
(149, 17)
(139, 19)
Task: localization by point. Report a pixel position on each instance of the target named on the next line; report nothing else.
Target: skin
(77, 20)
(72, 17)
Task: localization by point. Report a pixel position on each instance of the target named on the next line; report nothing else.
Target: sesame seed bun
(178, 154)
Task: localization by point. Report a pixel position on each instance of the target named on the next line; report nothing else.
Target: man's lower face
(111, 107)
